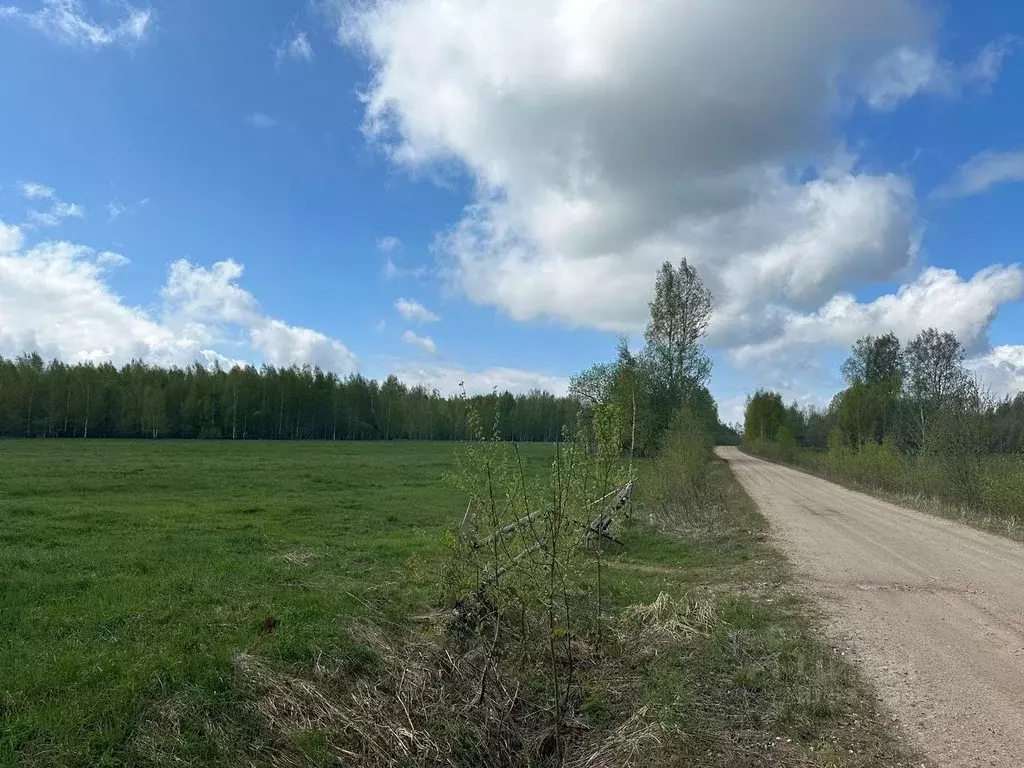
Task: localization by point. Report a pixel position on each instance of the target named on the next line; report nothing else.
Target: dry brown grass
(419, 708)
(635, 742)
(430, 704)
(666, 620)
(302, 556)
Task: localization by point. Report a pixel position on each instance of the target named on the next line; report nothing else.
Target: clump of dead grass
(668, 618)
(635, 742)
(420, 706)
(434, 699)
(302, 556)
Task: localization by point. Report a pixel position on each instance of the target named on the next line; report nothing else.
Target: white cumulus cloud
(11, 238)
(937, 298)
(603, 139)
(1001, 369)
(285, 345)
(55, 299)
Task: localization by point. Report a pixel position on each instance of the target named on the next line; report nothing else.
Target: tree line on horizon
(917, 398)
(649, 390)
(43, 399)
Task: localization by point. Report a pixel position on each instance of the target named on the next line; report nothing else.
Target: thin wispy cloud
(297, 48)
(58, 210)
(68, 22)
(116, 209)
(56, 214)
(908, 71)
(415, 312)
(982, 172)
(390, 245)
(987, 65)
(422, 343)
(261, 120)
(30, 190)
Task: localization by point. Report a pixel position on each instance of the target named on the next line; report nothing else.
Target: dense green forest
(918, 398)
(53, 399)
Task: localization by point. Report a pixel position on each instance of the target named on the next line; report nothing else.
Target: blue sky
(515, 173)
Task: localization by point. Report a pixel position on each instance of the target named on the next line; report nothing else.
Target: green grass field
(131, 572)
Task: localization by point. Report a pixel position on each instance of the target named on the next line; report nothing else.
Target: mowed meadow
(131, 572)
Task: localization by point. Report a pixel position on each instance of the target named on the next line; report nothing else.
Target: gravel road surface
(932, 610)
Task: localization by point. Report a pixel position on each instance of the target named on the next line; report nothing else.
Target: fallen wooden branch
(623, 492)
(492, 578)
(506, 529)
(600, 528)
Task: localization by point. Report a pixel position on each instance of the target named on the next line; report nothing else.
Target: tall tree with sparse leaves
(680, 314)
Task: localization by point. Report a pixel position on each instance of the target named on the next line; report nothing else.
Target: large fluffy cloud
(1002, 368)
(937, 298)
(605, 138)
(55, 299)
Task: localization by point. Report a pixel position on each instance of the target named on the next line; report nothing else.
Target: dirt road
(933, 610)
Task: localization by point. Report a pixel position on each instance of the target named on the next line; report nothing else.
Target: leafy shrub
(679, 478)
(1002, 489)
(838, 454)
(952, 442)
(785, 442)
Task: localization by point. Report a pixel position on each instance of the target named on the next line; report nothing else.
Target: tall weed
(679, 482)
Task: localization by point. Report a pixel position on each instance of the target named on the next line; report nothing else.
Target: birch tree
(680, 314)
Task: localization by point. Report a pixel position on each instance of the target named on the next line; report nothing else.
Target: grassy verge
(759, 684)
(994, 501)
